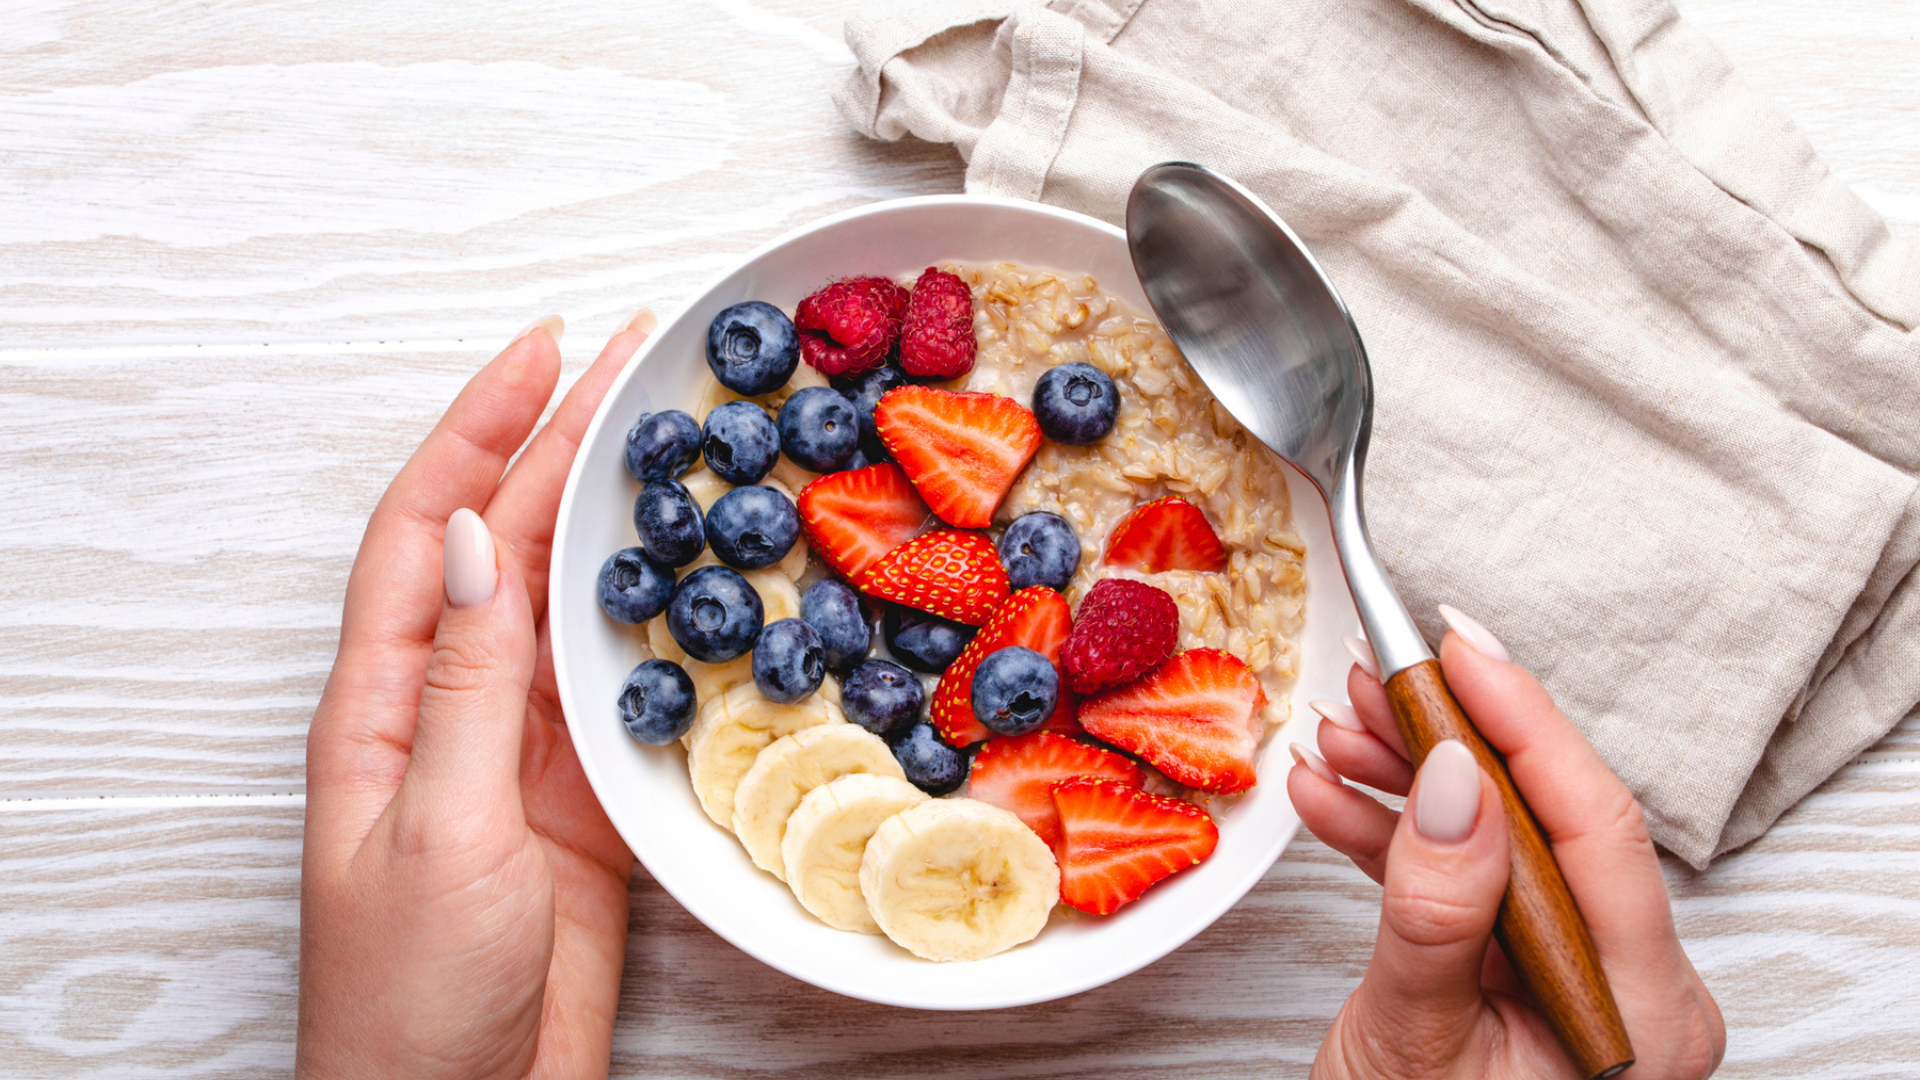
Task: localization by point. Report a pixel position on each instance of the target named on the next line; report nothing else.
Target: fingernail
(1341, 715)
(642, 320)
(554, 325)
(466, 560)
(1478, 637)
(1362, 654)
(1313, 761)
(1447, 801)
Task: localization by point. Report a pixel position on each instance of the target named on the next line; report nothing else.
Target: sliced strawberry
(1166, 534)
(1117, 841)
(951, 572)
(852, 518)
(1195, 718)
(1018, 774)
(961, 450)
(1037, 618)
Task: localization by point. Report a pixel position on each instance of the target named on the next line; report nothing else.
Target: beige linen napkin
(1647, 372)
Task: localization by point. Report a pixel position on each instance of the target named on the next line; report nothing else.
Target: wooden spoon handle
(1540, 925)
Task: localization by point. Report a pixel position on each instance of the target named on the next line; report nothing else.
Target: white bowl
(645, 789)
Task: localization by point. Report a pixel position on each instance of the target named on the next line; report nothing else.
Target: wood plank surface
(247, 253)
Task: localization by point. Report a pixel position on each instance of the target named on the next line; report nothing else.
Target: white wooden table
(247, 253)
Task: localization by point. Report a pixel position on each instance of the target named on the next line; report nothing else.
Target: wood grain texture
(1540, 926)
(247, 253)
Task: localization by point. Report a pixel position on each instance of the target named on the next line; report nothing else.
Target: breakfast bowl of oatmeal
(922, 623)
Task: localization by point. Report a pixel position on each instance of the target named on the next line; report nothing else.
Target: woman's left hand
(463, 896)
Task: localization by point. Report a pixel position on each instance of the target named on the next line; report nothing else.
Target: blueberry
(789, 661)
(714, 614)
(1015, 690)
(668, 521)
(818, 429)
(632, 587)
(662, 444)
(752, 348)
(859, 460)
(1039, 549)
(1075, 403)
(930, 765)
(882, 697)
(834, 609)
(865, 393)
(752, 527)
(924, 642)
(657, 702)
(741, 442)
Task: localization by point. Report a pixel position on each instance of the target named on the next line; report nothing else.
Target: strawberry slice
(1037, 618)
(963, 451)
(1117, 841)
(852, 518)
(1018, 774)
(1195, 718)
(1166, 534)
(951, 572)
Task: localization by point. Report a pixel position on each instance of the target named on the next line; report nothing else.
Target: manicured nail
(1362, 654)
(1447, 799)
(554, 325)
(1342, 715)
(1479, 637)
(1314, 762)
(642, 320)
(466, 560)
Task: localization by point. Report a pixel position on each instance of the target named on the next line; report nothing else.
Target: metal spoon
(1264, 328)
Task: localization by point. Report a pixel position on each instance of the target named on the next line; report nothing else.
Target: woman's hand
(463, 898)
(1438, 999)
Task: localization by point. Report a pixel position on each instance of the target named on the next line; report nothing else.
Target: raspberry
(936, 340)
(847, 327)
(1123, 630)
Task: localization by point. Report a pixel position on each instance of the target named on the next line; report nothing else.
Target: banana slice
(705, 486)
(787, 769)
(957, 879)
(790, 476)
(732, 730)
(825, 838)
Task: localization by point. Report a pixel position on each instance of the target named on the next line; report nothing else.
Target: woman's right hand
(1438, 998)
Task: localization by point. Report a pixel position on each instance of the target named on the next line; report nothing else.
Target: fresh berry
(789, 660)
(1124, 629)
(1038, 619)
(669, 522)
(847, 327)
(819, 429)
(961, 450)
(1075, 403)
(1117, 841)
(882, 697)
(662, 444)
(657, 702)
(741, 442)
(1166, 534)
(865, 392)
(852, 518)
(752, 527)
(715, 615)
(632, 587)
(936, 337)
(924, 642)
(752, 348)
(834, 609)
(1018, 774)
(930, 765)
(950, 572)
(1195, 718)
(1015, 690)
(1039, 549)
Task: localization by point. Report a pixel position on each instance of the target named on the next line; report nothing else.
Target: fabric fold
(1660, 440)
